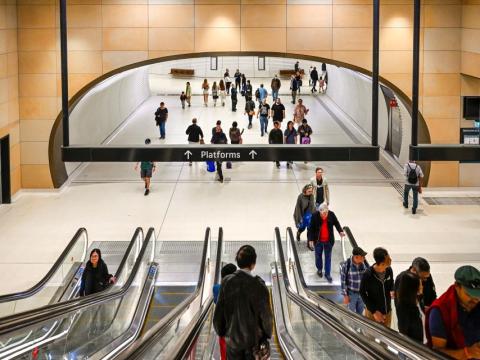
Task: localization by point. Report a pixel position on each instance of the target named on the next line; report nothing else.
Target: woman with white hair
(321, 238)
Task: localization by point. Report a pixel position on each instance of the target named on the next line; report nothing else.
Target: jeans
(319, 249)
(415, 195)
(219, 170)
(294, 96)
(161, 125)
(250, 117)
(314, 84)
(274, 94)
(234, 105)
(356, 303)
(263, 124)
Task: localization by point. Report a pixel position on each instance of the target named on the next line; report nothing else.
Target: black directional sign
(180, 153)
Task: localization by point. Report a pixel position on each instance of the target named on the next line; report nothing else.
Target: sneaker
(329, 279)
(298, 235)
(147, 191)
(320, 273)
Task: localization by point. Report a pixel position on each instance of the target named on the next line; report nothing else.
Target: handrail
(141, 345)
(390, 337)
(138, 231)
(45, 313)
(39, 286)
(357, 342)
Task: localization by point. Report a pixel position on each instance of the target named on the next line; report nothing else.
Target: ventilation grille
(452, 200)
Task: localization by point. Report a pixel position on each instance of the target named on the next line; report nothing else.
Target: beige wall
(107, 34)
(9, 87)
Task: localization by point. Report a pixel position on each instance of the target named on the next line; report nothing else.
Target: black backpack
(349, 264)
(412, 175)
(257, 93)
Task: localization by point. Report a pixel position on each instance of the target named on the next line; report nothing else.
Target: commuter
(314, 79)
(243, 314)
(276, 137)
(310, 76)
(238, 78)
(244, 82)
(304, 209)
(183, 98)
(161, 116)
(264, 114)
(351, 273)
(297, 67)
(228, 81)
(219, 137)
(278, 111)
(299, 112)
(147, 168)
(195, 134)
(294, 88)
(223, 95)
(290, 137)
(420, 267)
(321, 238)
(248, 90)
(218, 125)
(376, 288)
(95, 277)
(414, 175)
(233, 96)
(226, 270)
(452, 323)
(188, 93)
(304, 132)
(275, 85)
(298, 77)
(235, 134)
(409, 314)
(324, 70)
(215, 93)
(205, 88)
(250, 111)
(322, 193)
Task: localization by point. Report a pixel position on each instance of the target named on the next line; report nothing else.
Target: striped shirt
(354, 276)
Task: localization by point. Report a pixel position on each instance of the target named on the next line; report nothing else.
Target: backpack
(234, 134)
(306, 140)
(257, 93)
(348, 265)
(412, 175)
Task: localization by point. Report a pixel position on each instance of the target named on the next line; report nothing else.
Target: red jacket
(447, 304)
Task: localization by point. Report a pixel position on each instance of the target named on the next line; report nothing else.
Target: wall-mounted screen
(471, 107)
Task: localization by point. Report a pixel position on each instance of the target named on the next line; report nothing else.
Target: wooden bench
(182, 72)
(288, 73)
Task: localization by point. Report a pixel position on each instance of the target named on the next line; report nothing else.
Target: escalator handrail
(319, 313)
(137, 349)
(39, 286)
(45, 313)
(138, 232)
(392, 337)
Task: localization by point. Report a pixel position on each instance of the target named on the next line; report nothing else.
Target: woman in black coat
(408, 310)
(95, 277)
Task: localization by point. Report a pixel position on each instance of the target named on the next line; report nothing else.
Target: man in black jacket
(276, 137)
(321, 237)
(314, 78)
(421, 268)
(219, 137)
(194, 133)
(376, 288)
(243, 314)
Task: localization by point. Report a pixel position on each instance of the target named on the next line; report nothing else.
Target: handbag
(211, 166)
(262, 350)
(202, 142)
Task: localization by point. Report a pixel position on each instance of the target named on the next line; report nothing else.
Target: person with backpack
(294, 88)
(161, 116)
(351, 272)
(304, 132)
(304, 209)
(188, 93)
(276, 137)
(264, 114)
(234, 98)
(275, 85)
(314, 79)
(95, 277)
(195, 134)
(262, 93)
(183, 99)
(250, 111)
(235, 134)
(215, 93)
(147, 168)
(414, 175)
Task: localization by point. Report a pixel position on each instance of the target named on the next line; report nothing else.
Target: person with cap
(321, 238)
(226, 270)
(452, 322)
(420, 267)
(243, 314)
(351, 273)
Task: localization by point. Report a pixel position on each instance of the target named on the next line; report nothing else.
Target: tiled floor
(108, 200)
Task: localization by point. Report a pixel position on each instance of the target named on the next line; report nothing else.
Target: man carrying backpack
(414, 175)
(351, 273)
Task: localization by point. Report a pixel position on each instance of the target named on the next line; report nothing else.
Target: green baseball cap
(469, 278)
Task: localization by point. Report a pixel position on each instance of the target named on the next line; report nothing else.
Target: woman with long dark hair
(95, 277)
(409, 314)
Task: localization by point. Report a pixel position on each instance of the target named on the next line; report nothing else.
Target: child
(226, 270)
(183, 98)
(146, 170)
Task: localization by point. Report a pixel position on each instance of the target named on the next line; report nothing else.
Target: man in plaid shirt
(351, 273)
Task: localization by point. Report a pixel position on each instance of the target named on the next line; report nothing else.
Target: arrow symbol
(252, 154)
(188, 153)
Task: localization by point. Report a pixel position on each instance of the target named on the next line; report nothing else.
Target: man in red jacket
(452, 322)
